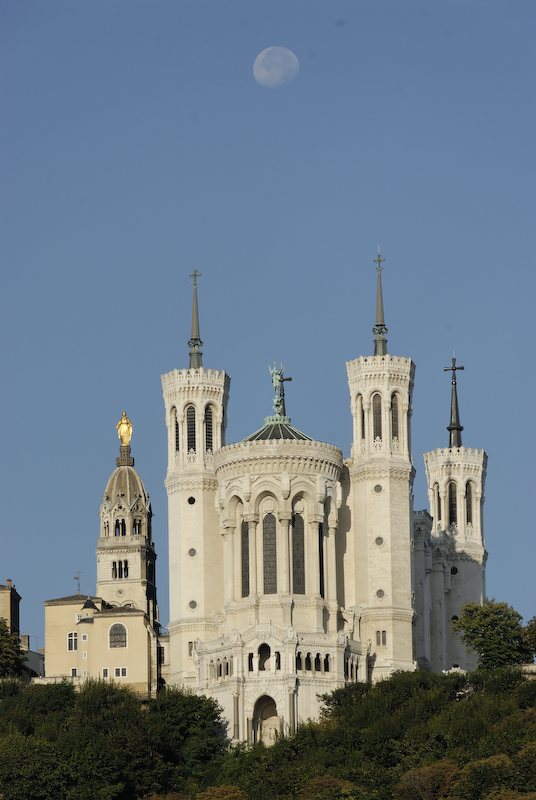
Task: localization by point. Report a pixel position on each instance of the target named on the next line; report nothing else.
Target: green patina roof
(277, 427)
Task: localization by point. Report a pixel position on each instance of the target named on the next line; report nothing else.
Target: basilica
(292, 571)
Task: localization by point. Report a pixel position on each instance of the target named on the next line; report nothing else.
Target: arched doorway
(266, 723)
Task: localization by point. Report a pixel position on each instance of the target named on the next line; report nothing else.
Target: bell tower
(196, 416)
(378, 561)
(455, 477)
(125, 552)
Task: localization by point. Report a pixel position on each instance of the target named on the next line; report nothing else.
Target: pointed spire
(380, 342)
(454, 429)
(195, 342)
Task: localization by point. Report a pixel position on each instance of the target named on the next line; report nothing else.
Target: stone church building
(292, 571)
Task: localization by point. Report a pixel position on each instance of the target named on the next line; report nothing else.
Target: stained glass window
(208, 428)
(269, 554)
(190, 425)
(394, 416)
(468, 503)
(298, 555)
(118, 635)
(377, 416)
(245, 559)
(453, 510)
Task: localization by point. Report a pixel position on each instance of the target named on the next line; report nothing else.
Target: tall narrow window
(245, 558)
(190, 426)
(72, 641)
(321, 559)
(453, 510)
(123, 528)
(298, 555)
(377, 416)
(269, 554)
(117, 528)
(175, 427)
(114, 569)
(438, 501)
(120, 569)
(118, 635)
(208, 429)
(468, 503)
(125, 569)
(394, 416)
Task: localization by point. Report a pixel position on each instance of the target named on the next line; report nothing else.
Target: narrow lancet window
(453, 510)
(245, 559)
(208, 429)
(438, 501)
(394, 416)
(321, 559)
(298, 555)
(468, 504)
(190, 425)
(377, 416)
(175, 427)
(269, 554)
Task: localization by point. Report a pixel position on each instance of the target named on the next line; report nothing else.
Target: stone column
(236, 716)
(284, 521)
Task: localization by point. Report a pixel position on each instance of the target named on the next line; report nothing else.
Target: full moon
(275, 66)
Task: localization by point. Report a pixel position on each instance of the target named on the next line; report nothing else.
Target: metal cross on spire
(380, 342)
(195, 344)
(454, 429)
(195, 275)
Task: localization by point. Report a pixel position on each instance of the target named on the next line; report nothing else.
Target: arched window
(269, 554)
(321, 559)
(298, 555)
(72, 641)
(468, 503)
(317, 663)
(190, 427)
(245, 558)
(394, 416)
(308, 662)
(208, 429)
(117, 528)
(125, 569)
(453, 509)
(438, 501)
(299, 662)
(360, 416)
(377, 416)
(136, 528)
(326, 663)
(175, 427)
(123, 528)
(120, 569)
(264, 657)
(118, 635)
(114, 569)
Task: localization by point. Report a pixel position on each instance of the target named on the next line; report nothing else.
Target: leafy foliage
(12, 658)
(493, 631)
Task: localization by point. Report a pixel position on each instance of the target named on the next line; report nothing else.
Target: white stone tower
(456, 570)
(378, 568)
(125, 551)
(196, 407)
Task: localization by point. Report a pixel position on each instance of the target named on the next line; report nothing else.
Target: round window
(379, 541)
(192, 604)
(192, 552)
(380, 593)
(454, 571)
(191, 500)
(378, 488)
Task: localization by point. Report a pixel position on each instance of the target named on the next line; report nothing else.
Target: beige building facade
(294, 571)
(114, 635)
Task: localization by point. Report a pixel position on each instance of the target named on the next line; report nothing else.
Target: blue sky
(137, 146)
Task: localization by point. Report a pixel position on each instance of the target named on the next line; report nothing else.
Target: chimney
(8, 583)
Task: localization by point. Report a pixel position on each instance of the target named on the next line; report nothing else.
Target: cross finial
(195, 275)
(77, 579)
(452, 369)
(378, 260)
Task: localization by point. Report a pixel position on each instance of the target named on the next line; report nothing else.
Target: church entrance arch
(266, 723)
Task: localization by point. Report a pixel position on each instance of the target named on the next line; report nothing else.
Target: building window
(118, 635)
(298, 555)
(72, 641)
(394, 416)
(190, 649)
(84, 637)
(117, 672)
(438, 501)
(453, 510)
(321, 559)
(136, 528)
(85, 654)
(73, 672)
(468, 503)
(326, 663)
(264, 657)
(208, 429)
(114, 569)
(119, 569)
(377, 416)
(117, 528)
(123, 672)
(175, 428)
(78, 617)
(244, 532)
(381, 638)
(125, 569)
(105, 672)
(269, 554)
(190, 427)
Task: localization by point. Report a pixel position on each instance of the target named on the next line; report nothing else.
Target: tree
(12, 658)
(530, 635)
(493, 631)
